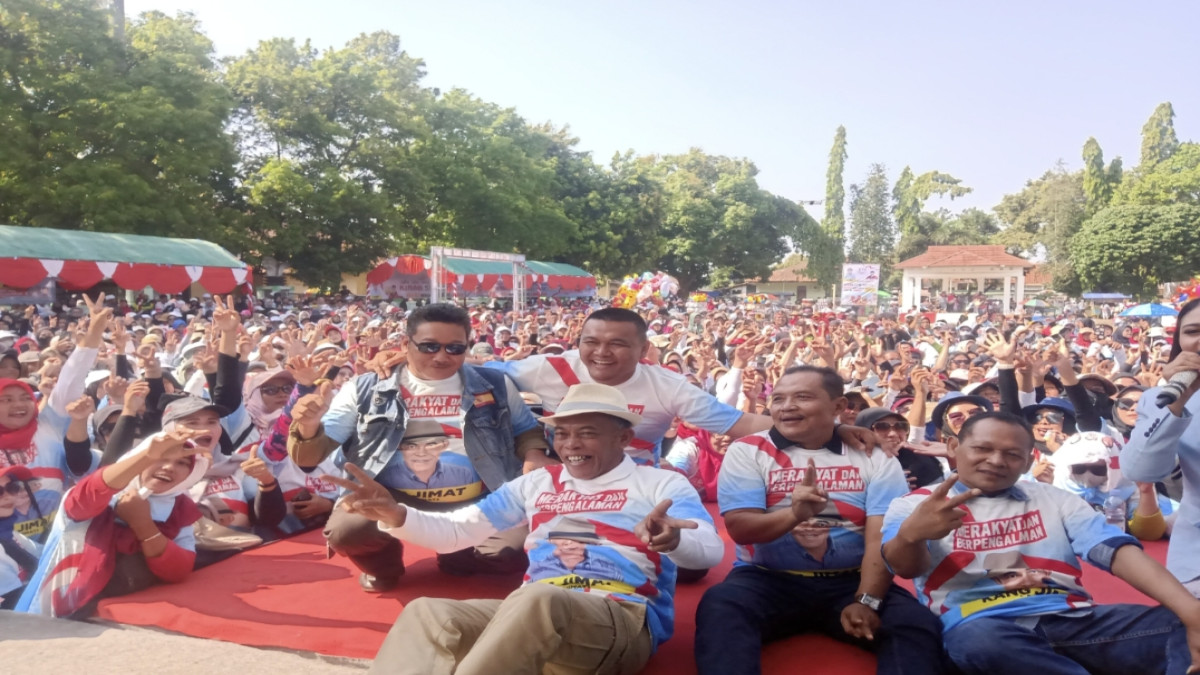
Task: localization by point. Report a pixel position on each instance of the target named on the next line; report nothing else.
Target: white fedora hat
(586, 399)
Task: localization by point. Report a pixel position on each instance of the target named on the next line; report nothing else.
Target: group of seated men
(446, 455)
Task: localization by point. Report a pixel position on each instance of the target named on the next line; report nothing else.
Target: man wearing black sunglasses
(491, 435)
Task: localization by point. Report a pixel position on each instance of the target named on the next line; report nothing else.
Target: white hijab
(161, 503)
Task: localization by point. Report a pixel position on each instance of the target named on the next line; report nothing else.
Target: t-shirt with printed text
(761, 470)
(1016, 554)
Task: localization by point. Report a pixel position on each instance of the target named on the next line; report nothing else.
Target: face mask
(1090, 480)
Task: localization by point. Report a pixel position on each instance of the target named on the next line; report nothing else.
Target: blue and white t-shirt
(1016, 554)
(758, 473)
(581, 533)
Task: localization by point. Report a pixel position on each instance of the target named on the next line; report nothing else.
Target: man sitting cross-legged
(606, 537)
(998, 559)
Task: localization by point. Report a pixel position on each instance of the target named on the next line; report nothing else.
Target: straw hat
(586, 399)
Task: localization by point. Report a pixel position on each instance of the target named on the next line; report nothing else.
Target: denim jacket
(368, 418)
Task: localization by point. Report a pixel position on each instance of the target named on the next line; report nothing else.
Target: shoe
(372, 584)
(459, 563)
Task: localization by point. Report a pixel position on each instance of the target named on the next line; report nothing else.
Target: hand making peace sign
(368, 498)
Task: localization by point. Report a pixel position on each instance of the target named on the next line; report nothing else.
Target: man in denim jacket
(489, 435)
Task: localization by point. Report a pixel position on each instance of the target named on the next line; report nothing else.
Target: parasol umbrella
(1037, 304)
(1150, 309)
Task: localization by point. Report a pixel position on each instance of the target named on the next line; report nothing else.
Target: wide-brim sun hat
(592, 398)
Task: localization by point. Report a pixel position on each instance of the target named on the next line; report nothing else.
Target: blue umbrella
(1150, 309)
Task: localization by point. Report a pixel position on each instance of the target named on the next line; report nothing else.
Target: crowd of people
(983, 456)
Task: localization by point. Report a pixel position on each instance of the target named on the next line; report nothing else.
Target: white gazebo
(965, 270)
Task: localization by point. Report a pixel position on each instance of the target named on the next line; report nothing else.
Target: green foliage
(872, 232)
(619, 213)
(1148, 233)
(906, 206)
(835, 192)
(1175, 180)
(102, 137)
(718, 224)
(331, 174)
(1098, 181)
(919, 230)
(826, 250)
(1158, 136)
(1133, 248)
(1046, 214)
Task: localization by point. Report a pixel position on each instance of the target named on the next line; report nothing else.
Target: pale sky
(993, 93)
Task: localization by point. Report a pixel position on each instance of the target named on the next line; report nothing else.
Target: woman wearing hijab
(1164, 436)
(122, 528)
(309, 497)
(33, 437)
(266, 395)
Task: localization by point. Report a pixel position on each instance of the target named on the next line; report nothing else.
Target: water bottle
(1114, 512)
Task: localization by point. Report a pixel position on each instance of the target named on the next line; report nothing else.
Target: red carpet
(288, 595)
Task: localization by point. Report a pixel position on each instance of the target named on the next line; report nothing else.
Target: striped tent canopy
(409, 275)
(78, 260)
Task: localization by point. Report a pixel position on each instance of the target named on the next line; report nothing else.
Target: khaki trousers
(537, 629)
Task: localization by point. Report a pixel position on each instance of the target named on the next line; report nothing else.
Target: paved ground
(36, 645)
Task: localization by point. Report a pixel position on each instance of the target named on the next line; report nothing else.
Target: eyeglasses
(12, 487)
(1080, 469)
(1127, 403)
(887, 427)
(1049, 417)
(453, 349)
(272, 391)
(107, 429)
(961, 416)
(961, 362)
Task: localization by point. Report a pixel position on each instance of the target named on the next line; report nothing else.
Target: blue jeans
(1109, 639)
(753, 606)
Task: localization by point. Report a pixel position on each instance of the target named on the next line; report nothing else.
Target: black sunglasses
(13, 488)
(277, 389)
(1126, 403)
(453, 349)
(885, 427)
(1080, 469)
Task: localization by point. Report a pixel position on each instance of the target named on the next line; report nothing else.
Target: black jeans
(754, 606)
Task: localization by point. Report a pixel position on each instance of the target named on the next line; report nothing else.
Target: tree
(618, 212)
(112, 138)
(906, 207)
(329, 143)
(1044, 217)
(827, 250)
(1131, 248)
(1158, 136)
(835, 194)
(970, 227)
(718, 224)
(493, 180)
(1175, 180)
(872, 233)
(1098, 181)
(909, 197)
(1046, 213)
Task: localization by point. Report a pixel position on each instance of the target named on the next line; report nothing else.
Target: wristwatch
(870, 601)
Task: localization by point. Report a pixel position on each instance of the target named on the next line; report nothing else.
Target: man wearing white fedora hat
(633, 525)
